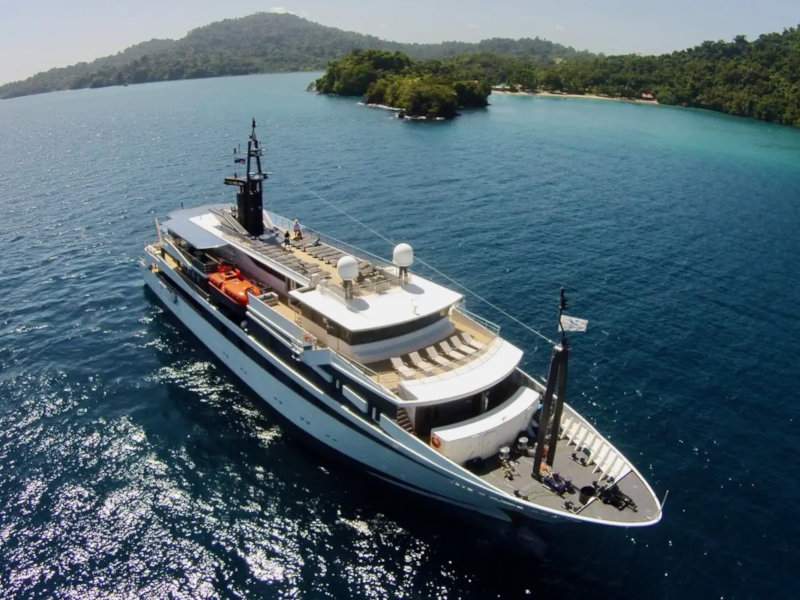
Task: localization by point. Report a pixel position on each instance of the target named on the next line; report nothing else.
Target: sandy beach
(583, 96)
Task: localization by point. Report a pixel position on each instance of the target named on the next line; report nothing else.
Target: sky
(35, 36)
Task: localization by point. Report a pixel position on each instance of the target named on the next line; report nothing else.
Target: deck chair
(434, 356)
(459, 345)
(470, 341)
(448, 350)
(421, 364)
(400, 367)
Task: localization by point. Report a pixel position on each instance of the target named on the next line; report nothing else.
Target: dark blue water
(131, 463)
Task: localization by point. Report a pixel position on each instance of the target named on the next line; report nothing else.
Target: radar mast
(250, 197)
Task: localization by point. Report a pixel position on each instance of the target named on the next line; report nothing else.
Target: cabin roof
(182, 225)
(416, 299)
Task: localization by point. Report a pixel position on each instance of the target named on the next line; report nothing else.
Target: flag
(573, 323)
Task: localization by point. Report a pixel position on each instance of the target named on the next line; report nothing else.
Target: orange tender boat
(230, 282)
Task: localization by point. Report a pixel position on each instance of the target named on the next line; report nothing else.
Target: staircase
(403, 420)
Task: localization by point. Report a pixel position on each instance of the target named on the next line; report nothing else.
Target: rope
(359, 222)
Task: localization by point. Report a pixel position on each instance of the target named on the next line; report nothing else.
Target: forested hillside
(759, 79)
(259, 43)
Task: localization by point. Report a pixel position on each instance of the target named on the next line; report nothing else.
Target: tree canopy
(421, 89)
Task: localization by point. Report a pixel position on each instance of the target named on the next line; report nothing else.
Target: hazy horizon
(50, 34)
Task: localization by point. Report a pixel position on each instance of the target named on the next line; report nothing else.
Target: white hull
(410, 464)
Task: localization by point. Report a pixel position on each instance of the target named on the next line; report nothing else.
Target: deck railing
(492, 329)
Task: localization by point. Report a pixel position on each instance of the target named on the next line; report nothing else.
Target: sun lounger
(400, 367)
(448, 350)
(461, 346)
(470, 341)
(435, 357)
(421, 364)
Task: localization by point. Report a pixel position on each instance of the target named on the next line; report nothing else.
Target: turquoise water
(132, 463)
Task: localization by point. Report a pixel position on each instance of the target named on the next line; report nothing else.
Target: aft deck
(470, 343)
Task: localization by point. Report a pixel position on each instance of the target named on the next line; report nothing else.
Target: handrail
(294, 332)
(485, 323)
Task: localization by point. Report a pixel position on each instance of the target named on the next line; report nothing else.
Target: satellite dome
(403, 255)
(347, 267)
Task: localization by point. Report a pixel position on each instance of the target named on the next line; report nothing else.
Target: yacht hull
(330, 422)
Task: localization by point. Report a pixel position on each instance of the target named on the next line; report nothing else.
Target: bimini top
(181, 225)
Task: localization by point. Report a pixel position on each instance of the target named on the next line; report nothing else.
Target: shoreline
(584, 96)
(400, 110)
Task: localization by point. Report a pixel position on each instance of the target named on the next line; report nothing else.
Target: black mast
(250, 197)
(552, 404)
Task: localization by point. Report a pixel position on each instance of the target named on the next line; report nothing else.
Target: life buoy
(436, 442)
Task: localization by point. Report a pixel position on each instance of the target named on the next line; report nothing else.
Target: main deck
(583, 469)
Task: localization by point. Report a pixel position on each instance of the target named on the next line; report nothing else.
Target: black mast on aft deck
(250, 197)
(552, 403)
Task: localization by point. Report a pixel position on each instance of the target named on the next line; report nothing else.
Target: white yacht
(386, 367)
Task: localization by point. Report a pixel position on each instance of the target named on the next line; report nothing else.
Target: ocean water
(133, 465)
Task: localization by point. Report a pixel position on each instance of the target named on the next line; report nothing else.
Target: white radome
(403, 255)
(347, 267)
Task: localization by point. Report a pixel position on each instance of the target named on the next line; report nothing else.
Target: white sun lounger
(470, 341)
(461, 346)
(434, 356)
(421, 364)
(449, 350)
(401, 368)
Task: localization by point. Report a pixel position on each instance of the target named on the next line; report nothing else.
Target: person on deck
(287, 239)
(298, 231)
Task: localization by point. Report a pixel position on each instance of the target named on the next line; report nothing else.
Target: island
(428, 90)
